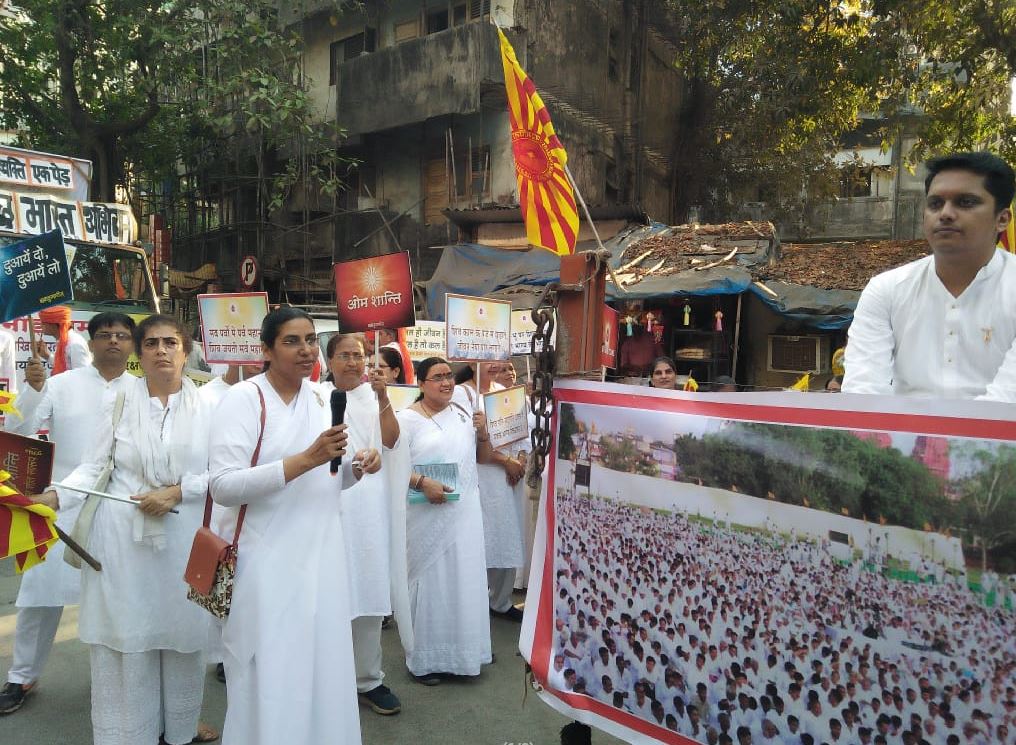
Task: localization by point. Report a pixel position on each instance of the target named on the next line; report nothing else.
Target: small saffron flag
(546, 196)
(1008, 238)
(26, 528)
(803, 383)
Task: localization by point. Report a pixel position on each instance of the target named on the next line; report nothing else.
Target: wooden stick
(766, 289)
(728, 257)
(31, 337)
(76, 548)
(630, 264)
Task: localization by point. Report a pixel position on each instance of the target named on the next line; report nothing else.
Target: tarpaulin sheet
(473, 269)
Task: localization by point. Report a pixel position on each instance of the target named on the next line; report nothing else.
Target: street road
(489, 711)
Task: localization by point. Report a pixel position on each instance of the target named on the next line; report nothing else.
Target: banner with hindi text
(375, 293)
(507, 413)
(426, 339)
(523, 330)
(33, 276)
(477, 329)
(231, 326)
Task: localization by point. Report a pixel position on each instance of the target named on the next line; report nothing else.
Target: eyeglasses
(349, 357)
(107, 335)
(171, 343)
(442, 378)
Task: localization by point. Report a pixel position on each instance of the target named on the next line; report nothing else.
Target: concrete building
(418, 87)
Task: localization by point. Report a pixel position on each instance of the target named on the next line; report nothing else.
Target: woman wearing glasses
(146, 639)
(288, 650)
(366, 511)
(444, 536)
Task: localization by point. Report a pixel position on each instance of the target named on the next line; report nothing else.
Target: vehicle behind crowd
(108, 270)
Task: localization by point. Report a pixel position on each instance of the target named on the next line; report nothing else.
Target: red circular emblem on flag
(532, 155)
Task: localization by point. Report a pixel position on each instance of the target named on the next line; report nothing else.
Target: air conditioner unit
(799, 354)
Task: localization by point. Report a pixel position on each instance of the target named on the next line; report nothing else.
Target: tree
(989, 497)
(569, 427)
(145, 88)
(771, 87)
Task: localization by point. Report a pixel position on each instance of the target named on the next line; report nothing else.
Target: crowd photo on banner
(336, 498)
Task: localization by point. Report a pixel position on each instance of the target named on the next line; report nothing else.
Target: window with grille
(479, 8)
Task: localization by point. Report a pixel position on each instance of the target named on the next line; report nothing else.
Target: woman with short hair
(145, 638)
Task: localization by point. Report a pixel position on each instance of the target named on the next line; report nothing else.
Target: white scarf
(163, 454)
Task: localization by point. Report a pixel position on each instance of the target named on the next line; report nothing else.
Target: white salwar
(8, 370)
(148, 672)
(445, 554)
(70, 406)
(288, 645)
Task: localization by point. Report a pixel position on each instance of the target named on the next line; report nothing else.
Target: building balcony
(435, 75)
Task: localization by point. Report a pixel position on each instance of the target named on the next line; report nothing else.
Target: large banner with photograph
(777, 568)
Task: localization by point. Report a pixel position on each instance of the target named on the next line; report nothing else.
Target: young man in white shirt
(945, 325)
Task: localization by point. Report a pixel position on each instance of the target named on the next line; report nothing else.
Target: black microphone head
(338, 402)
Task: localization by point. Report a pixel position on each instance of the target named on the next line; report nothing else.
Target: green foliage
(772, 87)
(831, 470)
(988, 496)
(623, 455)
(569, 427)
(144, 88)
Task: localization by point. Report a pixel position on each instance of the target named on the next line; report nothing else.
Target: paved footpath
(489, 711)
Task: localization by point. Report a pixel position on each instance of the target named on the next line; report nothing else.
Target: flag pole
(589, 219)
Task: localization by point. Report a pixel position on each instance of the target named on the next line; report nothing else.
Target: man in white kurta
(70, 406)
(945, 325)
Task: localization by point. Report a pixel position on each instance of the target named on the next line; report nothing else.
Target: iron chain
(541, 399)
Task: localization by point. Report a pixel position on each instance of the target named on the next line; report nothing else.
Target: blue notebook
(446, 473)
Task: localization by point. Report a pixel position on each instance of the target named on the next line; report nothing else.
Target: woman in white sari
(445, 553)
(146, 639)
(288, 649)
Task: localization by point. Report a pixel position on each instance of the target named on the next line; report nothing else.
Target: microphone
(338, 402)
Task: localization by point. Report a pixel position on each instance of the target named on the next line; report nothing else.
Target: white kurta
(138, 602)
(366, 515)
(445, 553)
(289, 656)
(8, 371)
(911, 337)
(76, 353)
(501, 502)
(72, 406)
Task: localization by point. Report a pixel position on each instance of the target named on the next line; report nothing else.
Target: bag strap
(117, 416)
(253, 462)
